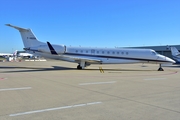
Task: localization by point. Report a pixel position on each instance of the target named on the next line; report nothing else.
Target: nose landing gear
(160, 68)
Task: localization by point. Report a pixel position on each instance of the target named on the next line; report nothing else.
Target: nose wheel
(160, 68)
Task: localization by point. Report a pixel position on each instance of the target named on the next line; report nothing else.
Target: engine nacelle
(59, 48)
(45, 49)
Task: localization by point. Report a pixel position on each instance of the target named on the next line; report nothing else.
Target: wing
(76, 58)
(82, 58)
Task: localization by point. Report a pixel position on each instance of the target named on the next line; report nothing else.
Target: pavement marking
(8, 89)
(3, 78)
(101, 70)
(51, 109)
(96, 83)
(155, 79)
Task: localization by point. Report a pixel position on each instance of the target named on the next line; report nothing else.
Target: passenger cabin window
(126, 53)
(77, 51)
(86, 51)
(108, 52)
(122, 53)
(97, 52)
(102, 52)
(117, 52)
(81, 51)
(92, 51)
(112, 52)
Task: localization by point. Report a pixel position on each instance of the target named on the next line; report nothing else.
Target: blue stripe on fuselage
(113, 57)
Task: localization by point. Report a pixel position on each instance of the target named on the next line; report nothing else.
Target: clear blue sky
(91, 23)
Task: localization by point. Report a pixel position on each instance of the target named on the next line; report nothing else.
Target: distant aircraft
(24, 55)
(86, 56)
(175, 54)
(6, 54)
(16, 54)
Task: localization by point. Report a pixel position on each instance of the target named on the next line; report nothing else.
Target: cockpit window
(153, 53)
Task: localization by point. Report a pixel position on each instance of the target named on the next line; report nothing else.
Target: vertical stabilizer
(174, 51)
(15, 53)
(29, 39)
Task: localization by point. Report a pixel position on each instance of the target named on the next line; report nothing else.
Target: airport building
(163, 50)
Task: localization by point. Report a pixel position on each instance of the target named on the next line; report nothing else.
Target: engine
(59, 49)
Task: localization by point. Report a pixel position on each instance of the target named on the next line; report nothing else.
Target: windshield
(153, 53)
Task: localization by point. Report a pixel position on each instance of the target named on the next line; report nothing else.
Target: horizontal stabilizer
(16, 27)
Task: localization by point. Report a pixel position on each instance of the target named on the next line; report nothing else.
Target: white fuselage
(108, 56)
(25, 55)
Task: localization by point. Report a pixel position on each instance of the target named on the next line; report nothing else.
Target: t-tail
(175, 52)
(32, 44)
(29, 39)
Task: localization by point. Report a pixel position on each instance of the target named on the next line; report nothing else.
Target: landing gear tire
(79, 67)
(160, 68)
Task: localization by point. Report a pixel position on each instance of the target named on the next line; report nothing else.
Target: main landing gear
(79, 67)
(160, 68)
(82, 65)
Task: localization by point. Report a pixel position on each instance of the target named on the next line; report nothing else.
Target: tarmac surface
(55, 90)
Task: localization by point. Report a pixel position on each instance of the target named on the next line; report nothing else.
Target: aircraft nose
(170, 60)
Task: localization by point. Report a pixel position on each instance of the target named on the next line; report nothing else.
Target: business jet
(175, 54)
(84, 56)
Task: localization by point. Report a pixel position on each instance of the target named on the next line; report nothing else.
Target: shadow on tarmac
(59, 68)
(173, 66)
(33, 69)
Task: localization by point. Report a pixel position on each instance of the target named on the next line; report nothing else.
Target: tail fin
(174, 51)
(29, 39)
(15, 53)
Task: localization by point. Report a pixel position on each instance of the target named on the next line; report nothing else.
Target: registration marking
(51, 109)
(10, 89)
(97, 83)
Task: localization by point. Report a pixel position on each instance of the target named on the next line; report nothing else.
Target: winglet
(52, 49)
